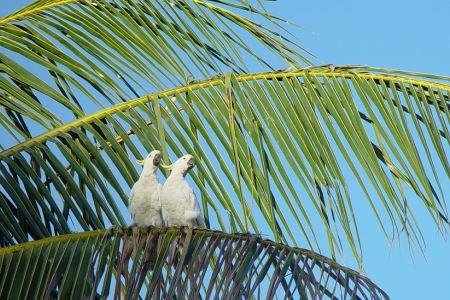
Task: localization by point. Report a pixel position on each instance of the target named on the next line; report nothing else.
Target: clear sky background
(408, 35)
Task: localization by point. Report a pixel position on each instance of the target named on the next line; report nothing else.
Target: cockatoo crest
(182, 165)
(152, 161)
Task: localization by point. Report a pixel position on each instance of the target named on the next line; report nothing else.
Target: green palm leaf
(318, 121)
(142, 263)
(97, 53)
(293, 154)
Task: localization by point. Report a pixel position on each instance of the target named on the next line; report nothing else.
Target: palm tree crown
(90, 86)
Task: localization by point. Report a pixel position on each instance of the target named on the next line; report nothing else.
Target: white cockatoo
(143, 203)
(178, 203)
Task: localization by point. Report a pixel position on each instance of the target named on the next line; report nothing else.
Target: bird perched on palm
(179, 205)
(144, 203)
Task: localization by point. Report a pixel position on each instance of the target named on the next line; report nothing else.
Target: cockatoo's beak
(157, 160)
(191, 163)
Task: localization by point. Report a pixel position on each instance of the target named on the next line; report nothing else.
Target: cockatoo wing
(152, 213)
(193, 212)
(172, 202)
(144, 205)
(130, 204)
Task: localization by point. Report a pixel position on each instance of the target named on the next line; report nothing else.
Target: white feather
(191, 215)
(178, 202)
(144, 203)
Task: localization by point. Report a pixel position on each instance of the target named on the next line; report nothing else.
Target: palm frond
(161, 263)
(294, 132)
(91, 54)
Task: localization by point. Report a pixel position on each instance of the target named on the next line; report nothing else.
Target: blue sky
(408, 35)
(404, 35)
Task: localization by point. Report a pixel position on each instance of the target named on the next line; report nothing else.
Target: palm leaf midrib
(209, 83)
(26, 11)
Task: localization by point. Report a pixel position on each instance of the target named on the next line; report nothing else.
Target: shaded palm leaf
(97, 53)
(206, 264)
(270, 146)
